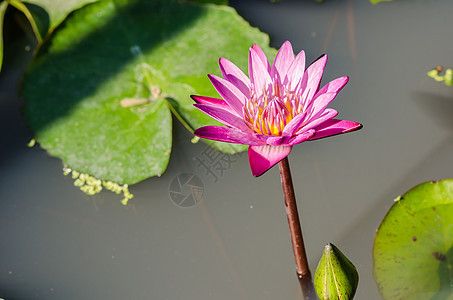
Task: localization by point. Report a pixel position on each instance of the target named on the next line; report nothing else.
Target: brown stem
(297, 240)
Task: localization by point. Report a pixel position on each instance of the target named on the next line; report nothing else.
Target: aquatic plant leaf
(413, 248)
(43, 15)
(335, 277)
(377, 1)
(447, 78)
(55, 11)
(110, 51)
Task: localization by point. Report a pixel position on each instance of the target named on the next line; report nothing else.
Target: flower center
(269, 113)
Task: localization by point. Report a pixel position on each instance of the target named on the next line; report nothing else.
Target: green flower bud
(336, 278)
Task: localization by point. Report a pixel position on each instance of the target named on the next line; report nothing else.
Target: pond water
(231, 240)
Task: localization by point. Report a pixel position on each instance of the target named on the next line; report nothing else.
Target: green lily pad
(110, 54)
(413, 249)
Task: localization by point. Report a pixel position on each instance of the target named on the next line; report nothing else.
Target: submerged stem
(302, 268)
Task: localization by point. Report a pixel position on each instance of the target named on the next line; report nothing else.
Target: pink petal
(270, 139)
(229, 135)
(321, 118)
(319, 104)
(311, 79)
(325, 95)
(300, 138)
(224, 116)
(262, 56)
(294, 124)
(296, 70)
(234, 75)
(210, 101)
(262, 158)
(277, 140)
(334, 127)
(231, 94)
(334, 86)
(283, 60)
(259, 76)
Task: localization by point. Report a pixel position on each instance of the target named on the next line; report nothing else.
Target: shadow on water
(18, 42)
(145, 24)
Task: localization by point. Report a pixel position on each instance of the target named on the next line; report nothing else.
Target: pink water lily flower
(274, 108)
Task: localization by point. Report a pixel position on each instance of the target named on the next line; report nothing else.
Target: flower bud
(335, 277)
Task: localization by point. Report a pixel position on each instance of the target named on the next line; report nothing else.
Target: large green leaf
(110, 51)
(413, 249)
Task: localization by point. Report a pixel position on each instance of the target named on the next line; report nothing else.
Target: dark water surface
(230, 241)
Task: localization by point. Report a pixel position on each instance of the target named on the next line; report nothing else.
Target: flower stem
(297, 240)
